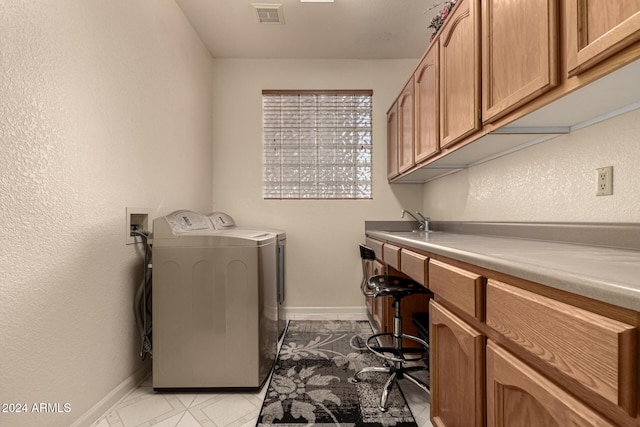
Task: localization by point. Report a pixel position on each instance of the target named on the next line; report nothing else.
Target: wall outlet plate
(605, 181)
(137, 219)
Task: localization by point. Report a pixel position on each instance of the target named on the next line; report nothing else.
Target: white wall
(323, 267)
(551, 181)
(103, 105)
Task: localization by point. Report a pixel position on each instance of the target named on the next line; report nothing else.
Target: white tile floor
(143, 407)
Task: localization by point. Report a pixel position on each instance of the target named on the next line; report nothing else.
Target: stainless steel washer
(212, 297)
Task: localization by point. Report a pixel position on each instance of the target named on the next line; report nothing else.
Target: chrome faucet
(424, 222)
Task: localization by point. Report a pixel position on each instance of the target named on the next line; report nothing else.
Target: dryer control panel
(184, 221)
(222, 221)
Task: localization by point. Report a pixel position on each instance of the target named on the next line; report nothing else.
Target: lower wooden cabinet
(508, 352)
(598, 353)
(377, 307)
(517, 395)
(457, 370)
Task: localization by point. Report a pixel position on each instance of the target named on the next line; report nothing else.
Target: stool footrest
(398, 353)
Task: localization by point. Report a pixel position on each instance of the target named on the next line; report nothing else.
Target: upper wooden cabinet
(460, 73)
(519, 53)
(405, 126)
(518, 80)
(427, 107)
(392, 142)
(597, 29)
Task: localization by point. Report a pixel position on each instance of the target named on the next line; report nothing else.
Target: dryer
(212, 297)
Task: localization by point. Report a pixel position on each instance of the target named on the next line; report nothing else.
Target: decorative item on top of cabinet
(519, 53)
(456, 365)
(596, 29)
(427, 104)
(392, 141)
(405, 127)
(519, 396)
(460, 73)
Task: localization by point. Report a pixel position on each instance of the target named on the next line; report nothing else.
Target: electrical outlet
(605, 181)
(137, 220)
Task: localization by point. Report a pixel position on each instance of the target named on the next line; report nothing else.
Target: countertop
(604, 274)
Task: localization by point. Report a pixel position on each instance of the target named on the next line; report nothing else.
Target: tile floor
(143, 407)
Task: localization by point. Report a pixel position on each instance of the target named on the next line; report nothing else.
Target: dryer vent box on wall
(137, 220)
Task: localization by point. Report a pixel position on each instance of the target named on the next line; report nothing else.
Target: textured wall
(103, 105)
(323, 267)
(551, 181)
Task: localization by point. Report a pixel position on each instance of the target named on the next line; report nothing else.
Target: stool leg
(385, 370)
(397, 326)
(417, 382)
(385, 392)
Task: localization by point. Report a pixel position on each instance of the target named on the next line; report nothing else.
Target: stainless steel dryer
(212, 293)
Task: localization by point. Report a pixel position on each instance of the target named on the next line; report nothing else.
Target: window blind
(317, 145)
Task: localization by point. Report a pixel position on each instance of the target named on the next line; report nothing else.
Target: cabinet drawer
(376, 245)
(415, 266)
(457, 286)
(598, 352)
(391, 255)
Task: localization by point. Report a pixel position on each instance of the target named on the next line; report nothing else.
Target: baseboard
(326, 313)
(114, 396)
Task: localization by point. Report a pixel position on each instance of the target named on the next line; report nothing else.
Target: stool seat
(395, 286)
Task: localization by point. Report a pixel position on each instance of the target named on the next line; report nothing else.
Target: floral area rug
(311, 385)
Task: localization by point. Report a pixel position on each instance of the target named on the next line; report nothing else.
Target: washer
(213, 299)
(226, 224)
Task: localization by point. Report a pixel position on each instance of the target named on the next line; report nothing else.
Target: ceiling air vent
(269, 13)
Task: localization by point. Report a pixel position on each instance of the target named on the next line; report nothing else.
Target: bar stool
(396, 356)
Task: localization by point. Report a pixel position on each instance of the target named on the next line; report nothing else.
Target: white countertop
(604, 274)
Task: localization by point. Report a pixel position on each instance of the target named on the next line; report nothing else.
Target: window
(317, 144)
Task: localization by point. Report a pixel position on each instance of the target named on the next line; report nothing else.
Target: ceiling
(347, 29)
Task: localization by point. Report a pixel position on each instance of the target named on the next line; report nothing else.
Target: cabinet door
(457, 370)
(460, 73)
(392, 141)
(405, 130)
(596, 29)
(427, 105)
(519, 396)
(519, 53)
(375, 308)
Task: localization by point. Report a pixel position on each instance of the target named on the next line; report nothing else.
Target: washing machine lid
(185, 221)
(224, 223)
